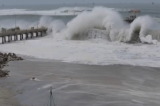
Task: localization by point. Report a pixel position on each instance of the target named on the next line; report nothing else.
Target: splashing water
(112, 23)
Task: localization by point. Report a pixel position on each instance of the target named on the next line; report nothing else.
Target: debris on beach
(4, 59)
(34, 79)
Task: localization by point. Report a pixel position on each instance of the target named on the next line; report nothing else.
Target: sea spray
(100, 18)
(10, 23)
(112, 22)
(142, 24)
(115, 26)
(87, 20)
(56, 26)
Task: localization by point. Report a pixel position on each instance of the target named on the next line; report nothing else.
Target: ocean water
(88, 33)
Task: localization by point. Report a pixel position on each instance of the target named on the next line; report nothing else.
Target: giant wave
(143, 29)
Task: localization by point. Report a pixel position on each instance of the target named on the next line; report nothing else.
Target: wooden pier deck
(9, 36)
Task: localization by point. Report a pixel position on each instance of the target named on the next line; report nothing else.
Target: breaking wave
(106, 23)
(99, 22)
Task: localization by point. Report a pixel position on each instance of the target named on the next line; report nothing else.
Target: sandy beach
(77, 85)
(7, 98)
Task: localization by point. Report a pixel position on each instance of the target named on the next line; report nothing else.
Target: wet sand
(7, 98)
(82, 85)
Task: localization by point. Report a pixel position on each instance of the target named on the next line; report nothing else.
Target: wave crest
(111, 22)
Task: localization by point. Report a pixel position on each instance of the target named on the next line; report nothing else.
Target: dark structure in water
(133, 16)
(130, 19)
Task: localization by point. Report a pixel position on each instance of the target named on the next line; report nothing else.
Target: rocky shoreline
(4, 59)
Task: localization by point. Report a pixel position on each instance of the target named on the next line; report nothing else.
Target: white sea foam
(98, 51)
(59, 11)
(88, 52)
(45, 86)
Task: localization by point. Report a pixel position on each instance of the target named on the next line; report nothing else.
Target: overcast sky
(20, 2)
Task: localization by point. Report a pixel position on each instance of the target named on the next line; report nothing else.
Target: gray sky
(19, 2)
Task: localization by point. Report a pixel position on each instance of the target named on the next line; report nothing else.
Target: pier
(16, 34)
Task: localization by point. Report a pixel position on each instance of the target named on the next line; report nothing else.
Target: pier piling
(23, 34)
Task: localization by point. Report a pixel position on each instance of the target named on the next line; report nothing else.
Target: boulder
(4, 59)
(3, 73)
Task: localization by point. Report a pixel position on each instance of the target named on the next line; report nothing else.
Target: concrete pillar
(41, 33)
(9, 38)
(31, 34)
(15, 37)
(36, 34)
(26, 35)
(45, 32)
(20, 37)
(2, 40)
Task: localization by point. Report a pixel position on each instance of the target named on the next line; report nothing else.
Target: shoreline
(32, 58)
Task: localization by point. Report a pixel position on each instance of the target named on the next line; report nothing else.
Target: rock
(19, 58)
(14, 55)
(11, 56)
(3, 73)
(1, 54)
(33, 78)
(4, 59)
